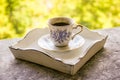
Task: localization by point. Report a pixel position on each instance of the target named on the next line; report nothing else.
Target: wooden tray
(69, 61)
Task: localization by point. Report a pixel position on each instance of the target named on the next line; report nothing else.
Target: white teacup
(61, 29)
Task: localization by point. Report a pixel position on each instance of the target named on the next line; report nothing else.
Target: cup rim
(70, 20)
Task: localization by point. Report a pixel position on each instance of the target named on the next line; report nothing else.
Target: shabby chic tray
(69, 61)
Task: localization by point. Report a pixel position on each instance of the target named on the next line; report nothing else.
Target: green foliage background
(19, 16)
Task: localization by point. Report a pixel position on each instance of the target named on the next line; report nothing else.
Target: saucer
(45, 43)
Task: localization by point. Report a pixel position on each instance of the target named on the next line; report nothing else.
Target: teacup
(61, 30)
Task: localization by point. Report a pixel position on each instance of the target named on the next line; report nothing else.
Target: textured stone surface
(105, 65)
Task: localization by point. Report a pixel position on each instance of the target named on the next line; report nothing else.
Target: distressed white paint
(69, 61)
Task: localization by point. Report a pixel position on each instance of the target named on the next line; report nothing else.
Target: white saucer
(46, 43)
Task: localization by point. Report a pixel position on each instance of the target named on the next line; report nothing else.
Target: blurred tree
(17, 17)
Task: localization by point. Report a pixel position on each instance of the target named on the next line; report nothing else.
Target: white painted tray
(68, 61)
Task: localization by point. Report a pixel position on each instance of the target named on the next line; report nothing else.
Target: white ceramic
(46, 43)
(61, 30)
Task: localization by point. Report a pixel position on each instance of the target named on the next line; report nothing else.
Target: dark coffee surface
(60, 24)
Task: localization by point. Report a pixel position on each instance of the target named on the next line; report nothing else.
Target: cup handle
(81, 29)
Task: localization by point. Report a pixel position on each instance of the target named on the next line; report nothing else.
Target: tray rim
(61, 66)
(104, 37)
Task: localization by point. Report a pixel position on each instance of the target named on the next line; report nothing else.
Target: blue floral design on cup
(60, 35)
(61, 29)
